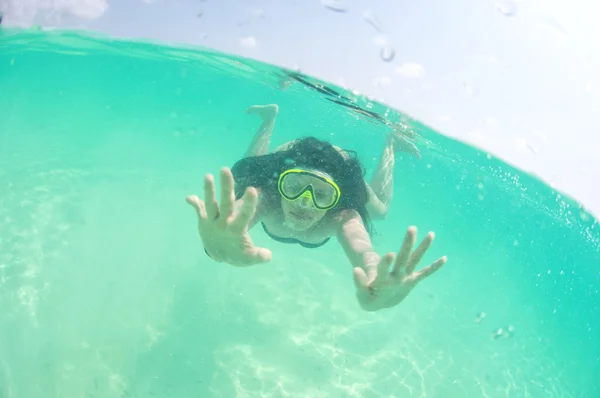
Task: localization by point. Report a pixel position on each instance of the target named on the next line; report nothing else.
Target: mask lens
(296, 184)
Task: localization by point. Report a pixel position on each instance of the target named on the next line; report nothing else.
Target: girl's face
(301, 214)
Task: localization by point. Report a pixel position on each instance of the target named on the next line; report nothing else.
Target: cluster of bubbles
(506, 332)
(386, 50)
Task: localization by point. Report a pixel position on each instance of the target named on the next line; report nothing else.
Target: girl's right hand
(224, 229)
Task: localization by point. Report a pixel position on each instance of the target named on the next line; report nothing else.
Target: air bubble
(373, 21)
(335, 5)
(480, 317)
(532, 148)
(507, 8)
(387, 53)
(554, 24)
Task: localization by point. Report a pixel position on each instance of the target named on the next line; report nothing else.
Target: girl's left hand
(387, 288)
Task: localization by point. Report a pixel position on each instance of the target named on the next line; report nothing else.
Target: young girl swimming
(305, 192)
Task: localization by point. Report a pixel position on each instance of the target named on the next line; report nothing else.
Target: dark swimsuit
(292, 240)
(283, 240)
(289, 240)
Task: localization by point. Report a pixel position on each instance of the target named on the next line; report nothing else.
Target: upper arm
(285, 146)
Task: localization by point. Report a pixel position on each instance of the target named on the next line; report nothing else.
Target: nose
(305, 202)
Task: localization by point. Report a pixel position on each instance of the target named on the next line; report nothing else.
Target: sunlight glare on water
(105, 290)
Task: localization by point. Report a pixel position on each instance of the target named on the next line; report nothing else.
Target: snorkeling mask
(315, 187)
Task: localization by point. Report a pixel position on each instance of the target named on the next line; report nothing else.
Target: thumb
(259, 255)
(361, 281)
(197, 204)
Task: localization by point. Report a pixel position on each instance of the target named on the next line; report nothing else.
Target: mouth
(300, 216)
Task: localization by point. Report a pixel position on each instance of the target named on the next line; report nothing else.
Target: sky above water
(516, 78)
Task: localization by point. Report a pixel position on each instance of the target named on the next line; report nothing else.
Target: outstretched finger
(211, 204)
(246, 212)
(227, 194)
(198, 205)
(405, 250)
(416, 257)
(361, 280)
(383, 270)
(430, 269)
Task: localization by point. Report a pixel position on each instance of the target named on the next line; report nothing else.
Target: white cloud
(446, 117)
(249, 42)
(382, 81)
(410, 70)
(52, 11)
(489, 58)
(489, 121)
(89, 9)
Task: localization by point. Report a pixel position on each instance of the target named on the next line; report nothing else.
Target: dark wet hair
(262, 172)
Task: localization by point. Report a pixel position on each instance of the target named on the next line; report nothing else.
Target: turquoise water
(105, 290)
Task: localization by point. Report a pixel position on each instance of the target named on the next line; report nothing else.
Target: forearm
(368, 261)
(358, 249)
